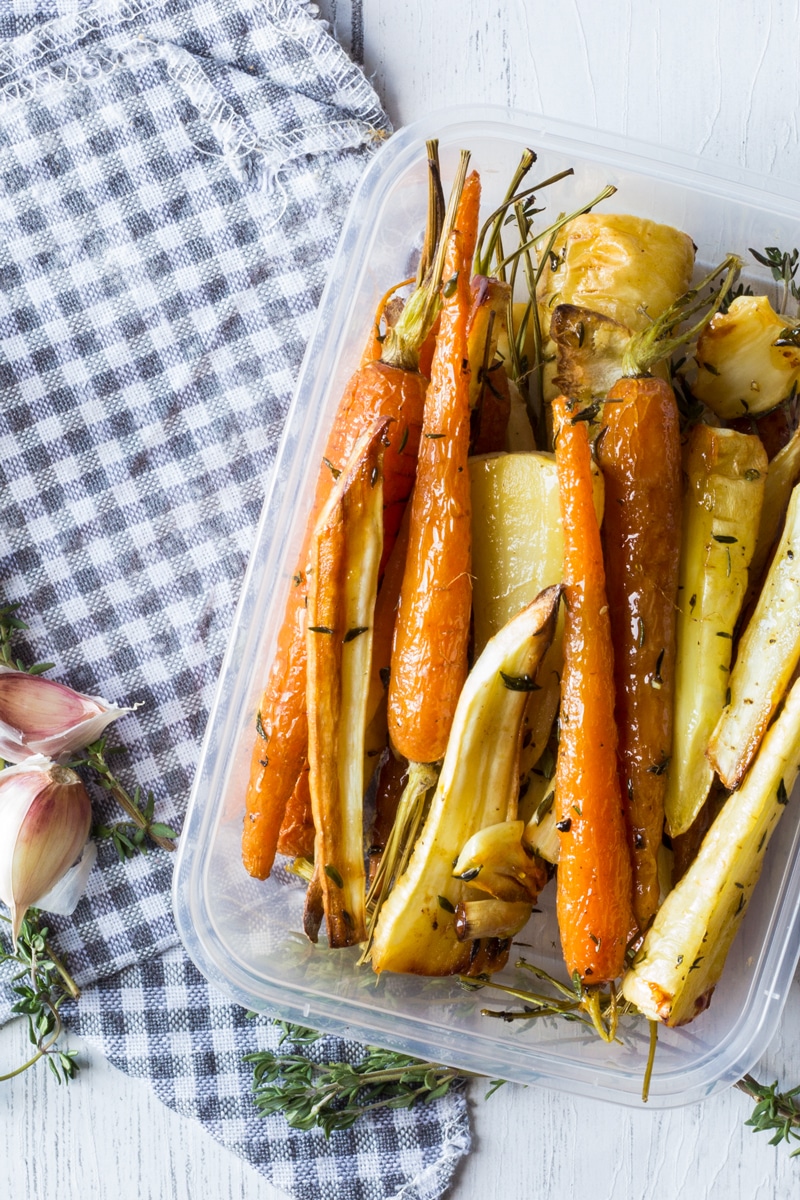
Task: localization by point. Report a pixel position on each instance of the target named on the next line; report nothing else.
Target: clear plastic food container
(245, 935)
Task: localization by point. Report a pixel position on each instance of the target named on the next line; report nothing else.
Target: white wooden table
(714, 79)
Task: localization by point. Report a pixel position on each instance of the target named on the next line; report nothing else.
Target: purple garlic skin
(40, 716)
(45, 817)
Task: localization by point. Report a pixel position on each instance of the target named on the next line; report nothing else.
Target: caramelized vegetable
(376, 390)
(392, 389)
(768, 654)
(595, 916)
(681, 960)
(747, 359)
(343, 580)
(783, 473)
(416, 928)
(429, 657)
(494, 860)
(725, 472)
(489, 395)
(639, 452)
(624, 267)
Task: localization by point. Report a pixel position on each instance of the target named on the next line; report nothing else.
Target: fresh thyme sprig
(132, 835)
(333, 1095)
(592, 1006)
(42, 984)
(10, 626)
(775, 1112)
(784, 265)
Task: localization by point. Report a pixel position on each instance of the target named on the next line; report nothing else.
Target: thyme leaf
(132, 835)
(333, 1095)
(775, 1112)
(41, 986)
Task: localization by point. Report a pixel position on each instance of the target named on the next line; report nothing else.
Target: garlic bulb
(45, 816)
(40, 716)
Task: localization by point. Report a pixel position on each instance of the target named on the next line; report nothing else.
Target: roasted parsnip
(748, 361)
(682, 957)
(590, 351)
(783, 473)
(517, 542)
(624, 267)
(416, 929)
(517, 550)
(768, 653)
(725, 471)
(343, 579)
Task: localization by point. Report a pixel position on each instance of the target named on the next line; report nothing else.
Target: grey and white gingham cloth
(173, 176)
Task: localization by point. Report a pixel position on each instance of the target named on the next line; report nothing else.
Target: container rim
(190, 896)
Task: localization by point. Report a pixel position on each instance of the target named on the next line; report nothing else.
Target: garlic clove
(41, 716)
(45, 816)
(66, 895)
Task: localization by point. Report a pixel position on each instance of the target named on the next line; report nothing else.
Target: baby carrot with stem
(392, 388)
(594, 894)
(429, 655)
(639, 452)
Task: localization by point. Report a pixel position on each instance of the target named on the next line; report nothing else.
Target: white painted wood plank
(713, 79)
(106, 1135)
(532, 1143)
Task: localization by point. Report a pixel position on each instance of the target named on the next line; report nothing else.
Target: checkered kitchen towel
(173, 175)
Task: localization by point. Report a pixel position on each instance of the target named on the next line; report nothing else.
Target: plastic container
(243, 934)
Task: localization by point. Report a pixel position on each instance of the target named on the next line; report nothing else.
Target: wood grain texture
(716, 79)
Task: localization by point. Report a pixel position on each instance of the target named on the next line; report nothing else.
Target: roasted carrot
(489, 396)
(374, 347)
(639, 453)
(296, 837)
(594, 895)
(392, 388)
(429, 656)
(279, 754)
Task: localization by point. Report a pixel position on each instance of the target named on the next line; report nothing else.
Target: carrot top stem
(483, 259)
(436, 211)
(402, 345)
(494, 222)
(564, 219)
(657, 341)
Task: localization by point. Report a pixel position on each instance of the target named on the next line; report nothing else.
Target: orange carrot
(374, 346)
(296, 839)
(640, 457)
(393, 389)
(279, 754)
(595, 916)
(429, 656)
